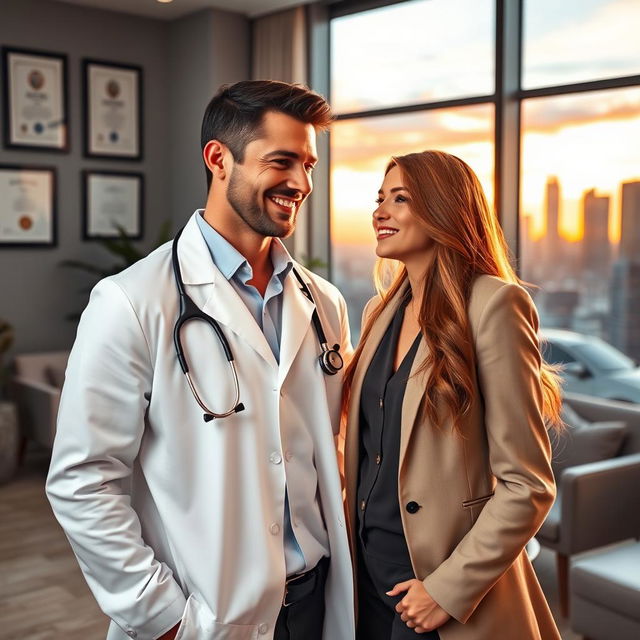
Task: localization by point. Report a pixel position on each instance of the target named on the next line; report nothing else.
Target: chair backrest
(600, 410)
(45, 367)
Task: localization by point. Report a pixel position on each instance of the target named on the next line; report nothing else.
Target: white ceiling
(179, 8)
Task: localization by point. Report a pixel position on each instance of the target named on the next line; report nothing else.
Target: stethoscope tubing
(330, 359)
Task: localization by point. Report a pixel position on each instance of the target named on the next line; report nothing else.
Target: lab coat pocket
(198, 623)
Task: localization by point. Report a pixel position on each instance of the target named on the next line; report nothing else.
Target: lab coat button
(132, 634)
(275, 458)
(275, 528)
(263, 628)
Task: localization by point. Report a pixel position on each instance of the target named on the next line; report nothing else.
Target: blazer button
(412, 507)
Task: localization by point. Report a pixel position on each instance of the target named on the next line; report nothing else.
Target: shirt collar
(230, 261)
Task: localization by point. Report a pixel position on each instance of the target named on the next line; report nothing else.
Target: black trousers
(303, 619)
(377, 617)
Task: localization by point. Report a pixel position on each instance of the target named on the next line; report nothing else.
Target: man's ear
(218, 158)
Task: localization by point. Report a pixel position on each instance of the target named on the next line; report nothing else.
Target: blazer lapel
(297, 310)
(214, 294)
(413, 394)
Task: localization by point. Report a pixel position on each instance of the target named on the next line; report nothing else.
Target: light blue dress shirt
(267, 312)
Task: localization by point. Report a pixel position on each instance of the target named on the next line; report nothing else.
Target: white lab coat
(171, 517)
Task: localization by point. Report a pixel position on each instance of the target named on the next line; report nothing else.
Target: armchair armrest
(37, 404)
(600, 503)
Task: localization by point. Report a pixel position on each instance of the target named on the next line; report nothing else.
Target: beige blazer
(481, 496)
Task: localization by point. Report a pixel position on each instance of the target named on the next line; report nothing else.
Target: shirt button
(275, 528)
(288, 455)
(381, 403)
(263, 628)
(363, 504)
(275, 458)
(378, 459)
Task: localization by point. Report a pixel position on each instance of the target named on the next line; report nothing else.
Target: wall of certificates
(36, 118)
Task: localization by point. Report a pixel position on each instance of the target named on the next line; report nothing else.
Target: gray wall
(183, 62)
(208, 48)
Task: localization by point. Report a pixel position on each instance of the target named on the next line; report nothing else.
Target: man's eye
(283, 162)
(379, 200)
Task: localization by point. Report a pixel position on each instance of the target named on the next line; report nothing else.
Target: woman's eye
(379, 200)
(400, 199)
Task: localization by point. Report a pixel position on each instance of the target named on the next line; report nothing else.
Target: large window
(440, 74)
(399, 86)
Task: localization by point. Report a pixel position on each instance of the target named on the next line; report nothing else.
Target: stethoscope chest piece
(330, 360)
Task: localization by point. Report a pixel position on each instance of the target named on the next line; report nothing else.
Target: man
(228, 527)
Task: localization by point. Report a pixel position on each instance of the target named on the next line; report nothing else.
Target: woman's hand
(418, 609)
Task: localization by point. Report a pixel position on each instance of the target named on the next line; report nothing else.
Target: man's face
(268, 188)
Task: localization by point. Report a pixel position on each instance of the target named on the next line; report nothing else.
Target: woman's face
(398, 231)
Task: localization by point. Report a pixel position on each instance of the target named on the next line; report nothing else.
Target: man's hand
(171, 634)
(418, 609)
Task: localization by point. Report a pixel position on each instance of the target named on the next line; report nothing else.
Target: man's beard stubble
(244, 202)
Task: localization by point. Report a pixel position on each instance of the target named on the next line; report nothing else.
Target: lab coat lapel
(297, 310)
(214, 294)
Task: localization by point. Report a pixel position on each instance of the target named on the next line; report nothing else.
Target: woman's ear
(215, 155)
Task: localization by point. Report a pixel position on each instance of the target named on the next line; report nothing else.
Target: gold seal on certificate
(27, 206)
(36, 99)
(112, 110)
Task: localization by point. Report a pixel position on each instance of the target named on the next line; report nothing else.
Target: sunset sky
(588, 140)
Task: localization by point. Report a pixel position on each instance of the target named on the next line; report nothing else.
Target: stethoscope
(330, 359)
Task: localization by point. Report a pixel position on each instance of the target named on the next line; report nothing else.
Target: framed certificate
(35, 100)
(113, 204)
(112, 110)
(27, 206)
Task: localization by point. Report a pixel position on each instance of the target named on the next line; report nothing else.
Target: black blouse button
(412, 507)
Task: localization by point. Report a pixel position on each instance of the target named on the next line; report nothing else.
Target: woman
(447, 401)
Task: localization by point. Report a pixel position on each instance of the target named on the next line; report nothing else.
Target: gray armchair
(597, 503)
(36, 389)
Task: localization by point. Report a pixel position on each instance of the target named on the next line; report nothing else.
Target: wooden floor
(43, 595)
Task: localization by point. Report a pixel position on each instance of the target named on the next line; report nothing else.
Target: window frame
(507, 101)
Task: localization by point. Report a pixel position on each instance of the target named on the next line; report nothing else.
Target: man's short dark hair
(234, 115)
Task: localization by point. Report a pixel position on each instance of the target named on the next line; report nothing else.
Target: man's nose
(300, 180)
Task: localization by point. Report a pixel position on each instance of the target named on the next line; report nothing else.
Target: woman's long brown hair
(447, 198)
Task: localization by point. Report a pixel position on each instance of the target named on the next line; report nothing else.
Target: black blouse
(380, 525)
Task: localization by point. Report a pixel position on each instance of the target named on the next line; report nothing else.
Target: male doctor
(188, 524)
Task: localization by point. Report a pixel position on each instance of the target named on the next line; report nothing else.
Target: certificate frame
(28, 209)
(110, 198)
(35, 97)
(112, 106)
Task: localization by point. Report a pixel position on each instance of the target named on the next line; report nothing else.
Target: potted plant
(9, 436)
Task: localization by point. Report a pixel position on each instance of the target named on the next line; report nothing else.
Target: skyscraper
(630, 227)
(552, 242)
(625, 283)
(624, 325)
(596, 249)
